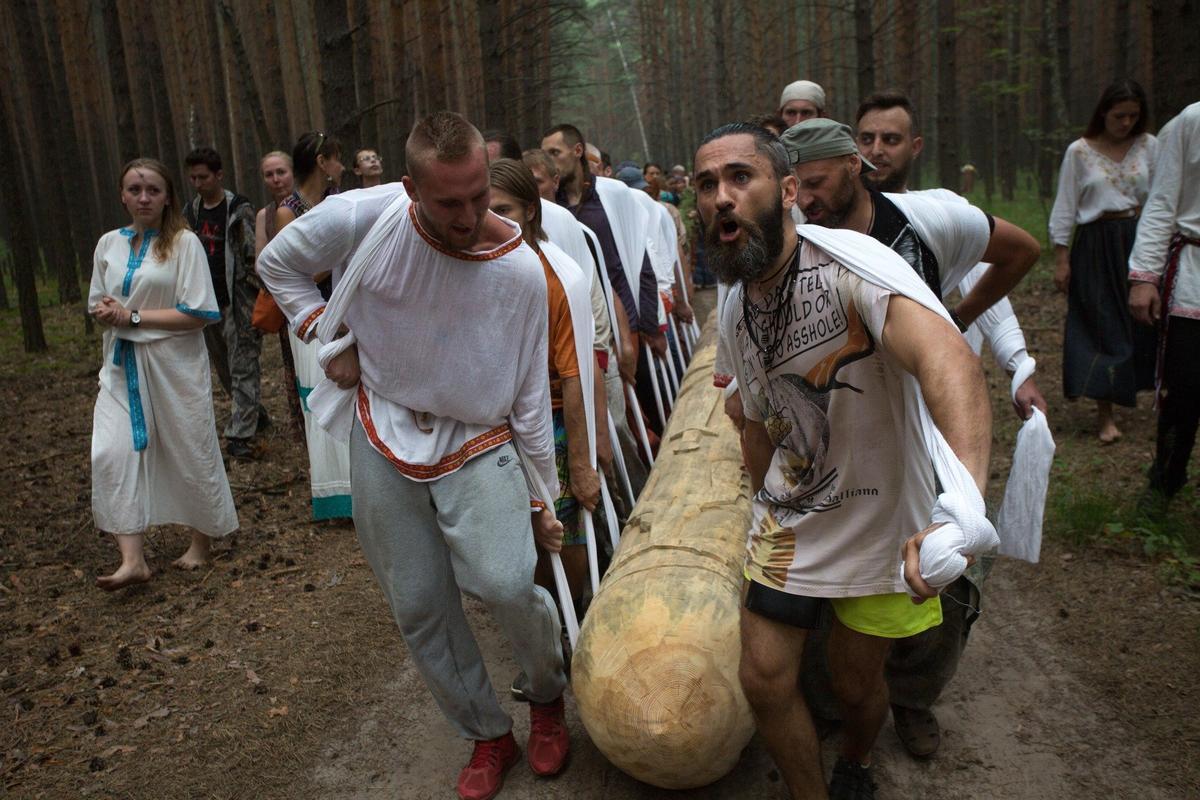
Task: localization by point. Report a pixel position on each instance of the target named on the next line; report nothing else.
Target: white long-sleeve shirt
(1173, 207)
(1090, 185)
(451, 345)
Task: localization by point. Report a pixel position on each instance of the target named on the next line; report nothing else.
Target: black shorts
(796, 610)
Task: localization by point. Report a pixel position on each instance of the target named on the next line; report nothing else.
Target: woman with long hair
(1104, 180)
(515, 196)
(318, 169)
(155, 455)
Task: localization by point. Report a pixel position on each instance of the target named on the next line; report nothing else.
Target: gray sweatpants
(467, 531)
(234, 346)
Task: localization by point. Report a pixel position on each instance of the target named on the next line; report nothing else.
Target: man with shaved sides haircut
(443, 340)
(833, 355)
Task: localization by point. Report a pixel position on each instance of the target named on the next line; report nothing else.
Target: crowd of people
(480, 360)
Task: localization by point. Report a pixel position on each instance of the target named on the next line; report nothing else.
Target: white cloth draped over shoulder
(569, 234)
(629, 222)
(575, 285)
(155, 455)
(966, 529)
(439, 384)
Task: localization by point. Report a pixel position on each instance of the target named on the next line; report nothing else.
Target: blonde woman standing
(155, 455)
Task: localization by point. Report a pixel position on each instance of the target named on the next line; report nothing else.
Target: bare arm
(260, 231)
(758, 450)
(950, 376)
(604, 455)
(110, 312)
(627, 357)
(585, 485)
(1012, 252)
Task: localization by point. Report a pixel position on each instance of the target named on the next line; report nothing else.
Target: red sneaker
(548, 738)
(483, 776)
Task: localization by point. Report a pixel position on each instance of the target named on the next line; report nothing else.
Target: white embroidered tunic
(451, 345)
(1173, 207)
(155, 455)
(1090, 185)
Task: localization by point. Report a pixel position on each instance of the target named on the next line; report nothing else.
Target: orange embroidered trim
(503, 250)
(424, 472)
(302, 331)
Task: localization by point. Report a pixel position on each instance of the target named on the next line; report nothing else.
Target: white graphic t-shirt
(849, 480)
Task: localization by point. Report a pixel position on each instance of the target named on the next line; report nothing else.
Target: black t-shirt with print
(210, 227)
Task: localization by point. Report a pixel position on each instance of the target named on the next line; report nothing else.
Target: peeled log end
(670, 715)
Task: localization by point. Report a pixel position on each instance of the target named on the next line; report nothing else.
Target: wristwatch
(135, 318)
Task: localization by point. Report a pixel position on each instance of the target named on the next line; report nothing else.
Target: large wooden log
(655, 669)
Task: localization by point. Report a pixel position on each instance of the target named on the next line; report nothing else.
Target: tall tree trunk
(21, 245)
(1008, 136)
(493, 71)
(51, 150)
(75, 180)
(1124, 42)
(722, 22)
(337, 70)
(1176, 79)
(864, 45)
(1062, 54)
(947, 95)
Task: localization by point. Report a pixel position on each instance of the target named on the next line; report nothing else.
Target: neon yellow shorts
(891, 616)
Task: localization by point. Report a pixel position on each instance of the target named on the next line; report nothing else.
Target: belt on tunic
(1129, 213)
(124, 357)
(1178, 242)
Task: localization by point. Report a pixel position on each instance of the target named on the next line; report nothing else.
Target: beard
(732, 262)
(833, 214)
(895, 181)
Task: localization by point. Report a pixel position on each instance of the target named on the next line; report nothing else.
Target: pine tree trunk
(864, 45)
(21, 245)
(1176, 79)
(336, 48)
(947, 96)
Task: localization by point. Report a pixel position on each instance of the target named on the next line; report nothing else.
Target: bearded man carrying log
(862, 402)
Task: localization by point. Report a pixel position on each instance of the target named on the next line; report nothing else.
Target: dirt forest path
(278, 673)
(1019, 722)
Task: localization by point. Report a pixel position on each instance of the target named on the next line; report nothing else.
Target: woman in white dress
(155, 455)
(1104, 180)
(317, 166)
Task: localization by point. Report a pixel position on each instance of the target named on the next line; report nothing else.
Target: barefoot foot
(126, 575)
(1109, 433)
(197, 553)
(191, 560)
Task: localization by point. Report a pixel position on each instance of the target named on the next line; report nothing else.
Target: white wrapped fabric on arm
(966, 529)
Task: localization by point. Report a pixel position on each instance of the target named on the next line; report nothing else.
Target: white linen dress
(155, 455)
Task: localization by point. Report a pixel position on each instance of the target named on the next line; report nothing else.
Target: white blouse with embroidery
(1090, 185)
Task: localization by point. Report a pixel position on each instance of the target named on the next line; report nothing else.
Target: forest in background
(90, 84)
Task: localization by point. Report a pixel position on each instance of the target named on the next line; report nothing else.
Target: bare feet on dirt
(1109, 433)
(197, 554)
(126, 575)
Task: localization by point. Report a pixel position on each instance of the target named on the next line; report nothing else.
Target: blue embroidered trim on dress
(198, 312)
(123, 352)
(135, 259)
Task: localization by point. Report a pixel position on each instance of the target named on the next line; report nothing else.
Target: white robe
(155, 455)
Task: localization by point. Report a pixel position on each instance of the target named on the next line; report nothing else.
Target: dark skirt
(1106, 355)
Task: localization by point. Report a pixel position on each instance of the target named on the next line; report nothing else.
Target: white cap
(803, 90)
